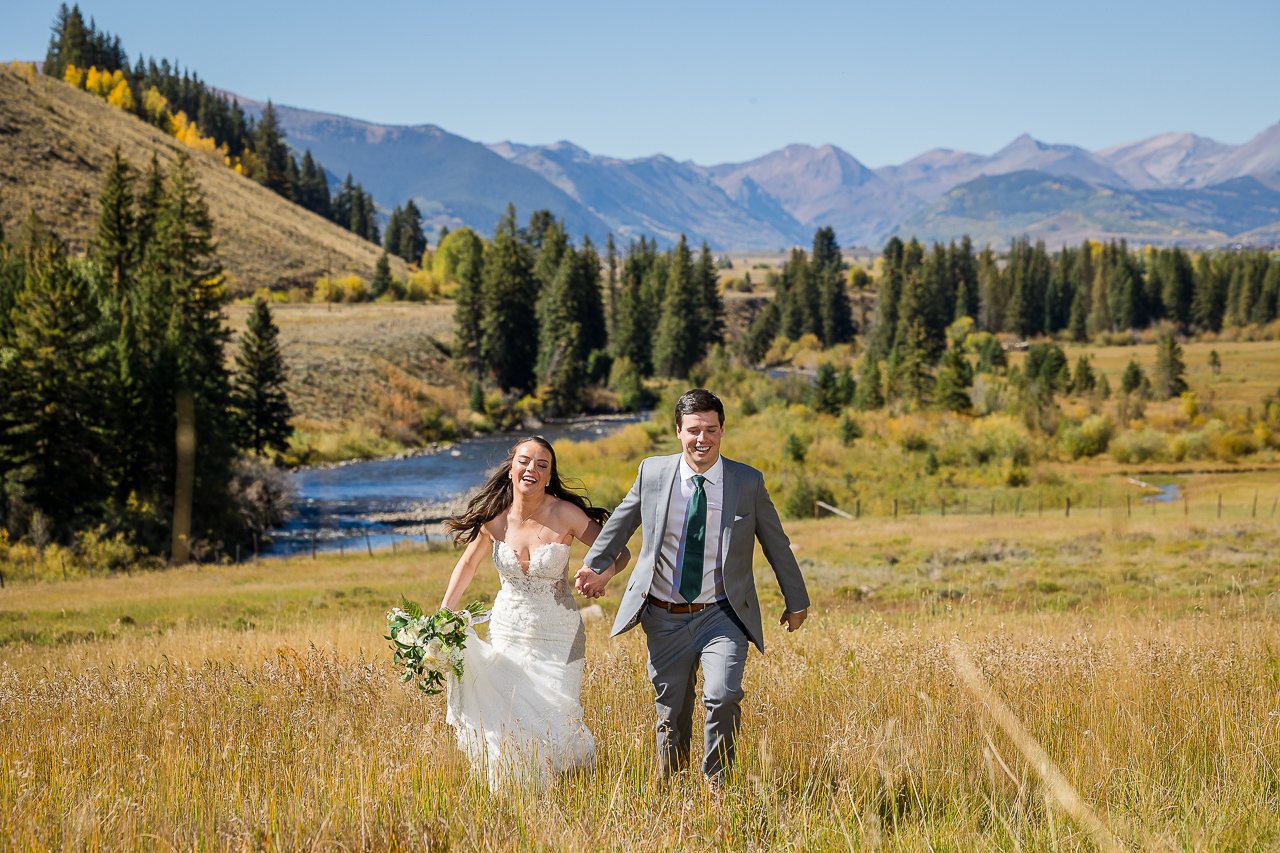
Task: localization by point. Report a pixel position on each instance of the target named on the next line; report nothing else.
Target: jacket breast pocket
(738, 519)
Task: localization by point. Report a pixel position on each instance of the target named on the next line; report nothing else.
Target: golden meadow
(1028, 680)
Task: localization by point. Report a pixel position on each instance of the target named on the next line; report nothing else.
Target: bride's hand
(590, 584)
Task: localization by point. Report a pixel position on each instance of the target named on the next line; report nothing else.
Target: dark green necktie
(695, 538)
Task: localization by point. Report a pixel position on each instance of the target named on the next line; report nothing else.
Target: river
(346, 506)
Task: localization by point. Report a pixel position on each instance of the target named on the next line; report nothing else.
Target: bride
(515, 709)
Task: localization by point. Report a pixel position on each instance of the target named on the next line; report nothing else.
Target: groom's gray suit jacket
(748, 515)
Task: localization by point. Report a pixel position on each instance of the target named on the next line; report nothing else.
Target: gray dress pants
(680, 643)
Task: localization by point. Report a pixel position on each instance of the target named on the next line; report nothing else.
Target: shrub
(794, 448)
(1137, 446)
(802, 496)
(625, 381)
(1088, 438)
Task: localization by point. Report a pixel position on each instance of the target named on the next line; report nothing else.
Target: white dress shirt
(666, 581)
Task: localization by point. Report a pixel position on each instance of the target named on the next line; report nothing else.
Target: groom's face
(699, 434)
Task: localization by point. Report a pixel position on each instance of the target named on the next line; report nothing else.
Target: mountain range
(1171, 188)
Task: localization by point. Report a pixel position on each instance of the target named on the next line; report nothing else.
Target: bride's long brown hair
(496, 496)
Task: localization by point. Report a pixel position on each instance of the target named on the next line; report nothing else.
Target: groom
(692, 589)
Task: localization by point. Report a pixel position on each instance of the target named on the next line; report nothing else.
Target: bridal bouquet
(428, 647)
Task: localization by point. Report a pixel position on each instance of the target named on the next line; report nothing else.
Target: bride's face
(531, 469)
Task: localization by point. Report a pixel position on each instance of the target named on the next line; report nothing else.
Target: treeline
(1078, 292)
(101, 356)
(531, 315)
(155, 92)
(810, 299)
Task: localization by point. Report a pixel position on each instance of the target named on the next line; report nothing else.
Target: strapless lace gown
(516, 708)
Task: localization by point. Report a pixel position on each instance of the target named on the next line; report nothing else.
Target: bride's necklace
(530, 515)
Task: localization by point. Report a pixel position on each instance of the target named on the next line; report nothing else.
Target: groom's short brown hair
(698, 400)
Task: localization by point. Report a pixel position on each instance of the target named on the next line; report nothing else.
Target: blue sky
(717, 82)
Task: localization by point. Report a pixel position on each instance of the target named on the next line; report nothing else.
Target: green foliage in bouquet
(429, 647)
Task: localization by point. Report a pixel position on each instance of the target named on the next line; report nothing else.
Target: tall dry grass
(857, 734)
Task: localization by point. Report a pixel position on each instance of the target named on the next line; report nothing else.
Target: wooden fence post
(367, 543)
(1128, 505)
(857, 508)
(1219, 504)
(1017, 505)
(63, 560)
(895, 507)
(993, 507)
(237, 553)
(1255, 504)
(342, 547)
(1068, 507)
(1099, 504)
(313, 544)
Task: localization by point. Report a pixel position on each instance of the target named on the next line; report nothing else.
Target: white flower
(435, 656)
(408, 636)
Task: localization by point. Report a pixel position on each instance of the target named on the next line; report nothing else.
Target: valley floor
(254, 706)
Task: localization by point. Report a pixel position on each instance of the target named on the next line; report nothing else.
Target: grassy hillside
(56, 141)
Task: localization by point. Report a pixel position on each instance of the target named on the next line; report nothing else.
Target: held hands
(792, 621)
(590, 584)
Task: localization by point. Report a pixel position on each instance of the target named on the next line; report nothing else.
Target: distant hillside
(779, 199)
(1067, 210)
(452, 180)
(658, 196)
(821, 186)
(55, 143)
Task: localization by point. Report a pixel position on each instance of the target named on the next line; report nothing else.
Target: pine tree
(951, 386)
(676, 348)
(869, 396)
(1131, 379)
(823, 396)
(561, 355)
(508, 352)
(1170, 370)
(590, 301)
(760, 335)
(53, 428)
(185, 322)
(272, 153)
(611, 259)
(395, 228)
(469, 303)
(381, 276)
(712, 302)
(1085, 380)
(114, 245)
(912, 371)
(849, 431)
(413, 240)
(150, 203)
(261, 403)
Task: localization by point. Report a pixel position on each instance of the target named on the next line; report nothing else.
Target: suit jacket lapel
(730, 508)
(663, 505)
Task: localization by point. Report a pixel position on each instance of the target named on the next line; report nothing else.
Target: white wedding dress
(515, 709)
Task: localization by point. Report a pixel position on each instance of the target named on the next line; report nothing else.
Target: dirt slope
(56, 142)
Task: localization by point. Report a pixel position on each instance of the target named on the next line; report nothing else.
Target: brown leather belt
(671, 607)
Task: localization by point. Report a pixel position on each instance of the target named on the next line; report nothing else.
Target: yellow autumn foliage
(102, 83)
(186, 132)
(26, 69)
(121, 97)
(73, 76)
(155, 104)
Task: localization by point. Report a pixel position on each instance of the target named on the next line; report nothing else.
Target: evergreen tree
(1131, 379)
(1208, 299)
(712, 303)
(590, 301)
(150, 203)
(412, 241)
(273, 155)
(185, 327)
(964, 272)
(679, 335)
(1170, 370)
(381, 276)
(1099, 319)
(508, 352)
(53, 429)
(834, 308)
(395, 228)
(468, 312)
(992, 357)
(886, 325)
(643, 282)
(755, 344)
(540, 222)
(951, 387)
(114, 245)
(849, 431)
(313, 187)
(911, 375)
(261, 404)
(1085, 380)
(561, 355)
(611, 259)
(824, 396)
(1081, 277)
(869, 397)
(991, 293)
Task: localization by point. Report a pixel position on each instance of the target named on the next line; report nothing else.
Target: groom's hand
(792, 621)
(590, 584)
